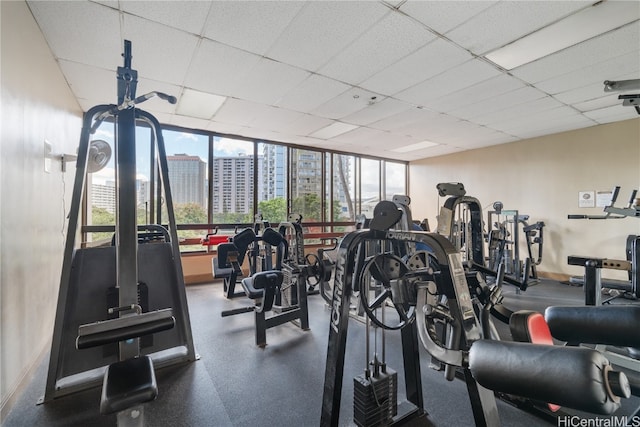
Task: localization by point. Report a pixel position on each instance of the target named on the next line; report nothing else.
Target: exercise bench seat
(128, 383)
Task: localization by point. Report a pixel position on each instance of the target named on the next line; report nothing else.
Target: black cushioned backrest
(272, 237)
(267, 279)
(242, 240)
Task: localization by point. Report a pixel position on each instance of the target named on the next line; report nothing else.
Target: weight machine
(415, 289)
(119, 293)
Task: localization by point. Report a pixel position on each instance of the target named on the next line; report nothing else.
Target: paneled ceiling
(396, 79)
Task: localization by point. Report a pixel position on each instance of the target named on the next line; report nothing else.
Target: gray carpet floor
(238, 384)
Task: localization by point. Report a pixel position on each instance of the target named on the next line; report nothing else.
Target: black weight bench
(131, 381)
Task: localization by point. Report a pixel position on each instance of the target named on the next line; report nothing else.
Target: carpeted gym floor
(236, 383)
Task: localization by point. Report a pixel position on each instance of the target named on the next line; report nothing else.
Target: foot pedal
(375, 398)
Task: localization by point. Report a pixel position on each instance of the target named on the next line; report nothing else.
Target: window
(369, 186)
(395, 179)
(306, 177)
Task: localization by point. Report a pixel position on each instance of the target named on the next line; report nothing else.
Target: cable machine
(123, 291)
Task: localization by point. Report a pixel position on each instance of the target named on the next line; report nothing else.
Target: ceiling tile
(546, 118)
(498, 103)
(347, 103)
(389, 40)
(460, 77)
(249, 25)
(600, 72)
(599, 49)
(165, 56)
(588, 92)
(405, 118)
(377, 111)
(184, 15)
(477, 93)
(239, 112)
(305, 125)
(362, 135)
(311, 93)
(443, 16)
(428, 61)
(268, 80)
(323, 29)
(274, 118)
(612, 114)
(89, 82)
(515, 112)
(225, 128)
(507, 21)
(82, 32)
(219, 69)
(598, 103)
(553, 125)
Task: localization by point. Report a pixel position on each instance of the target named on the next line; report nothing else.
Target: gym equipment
(281, 292)
(504, 240)
(592, 280)
(228, 264)
(612, 212)
(501, 366)
(120, 286)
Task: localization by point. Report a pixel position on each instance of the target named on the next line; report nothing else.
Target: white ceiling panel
(610, 70)
(598, 103)
(507, 21)
(311, 93)
(406, 118)
(432, 128)
(347, 103)
(184, 15)
(460, 77)
(498, 102)
(269, 80)
(377, 111)
(226, 128)
(362, 135)
(305, 124)
(219, 69)
(274, 118)
(394, 37)
(612, 114)
(322, 29)
(428, 61)
(85, 79)
(249, 25)
(485, 90)
(239, 112)
(553, 126)
(95, 30)
(538, 121)
(599, 49)
(443, 16)
(517, 112)
(190, 122)
(164, 57)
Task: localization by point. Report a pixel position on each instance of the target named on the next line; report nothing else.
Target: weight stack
(375, 399)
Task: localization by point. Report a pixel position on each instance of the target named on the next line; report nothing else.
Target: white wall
(542, 177)
(36, 105)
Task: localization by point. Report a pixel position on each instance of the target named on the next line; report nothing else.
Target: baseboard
(560, 277)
